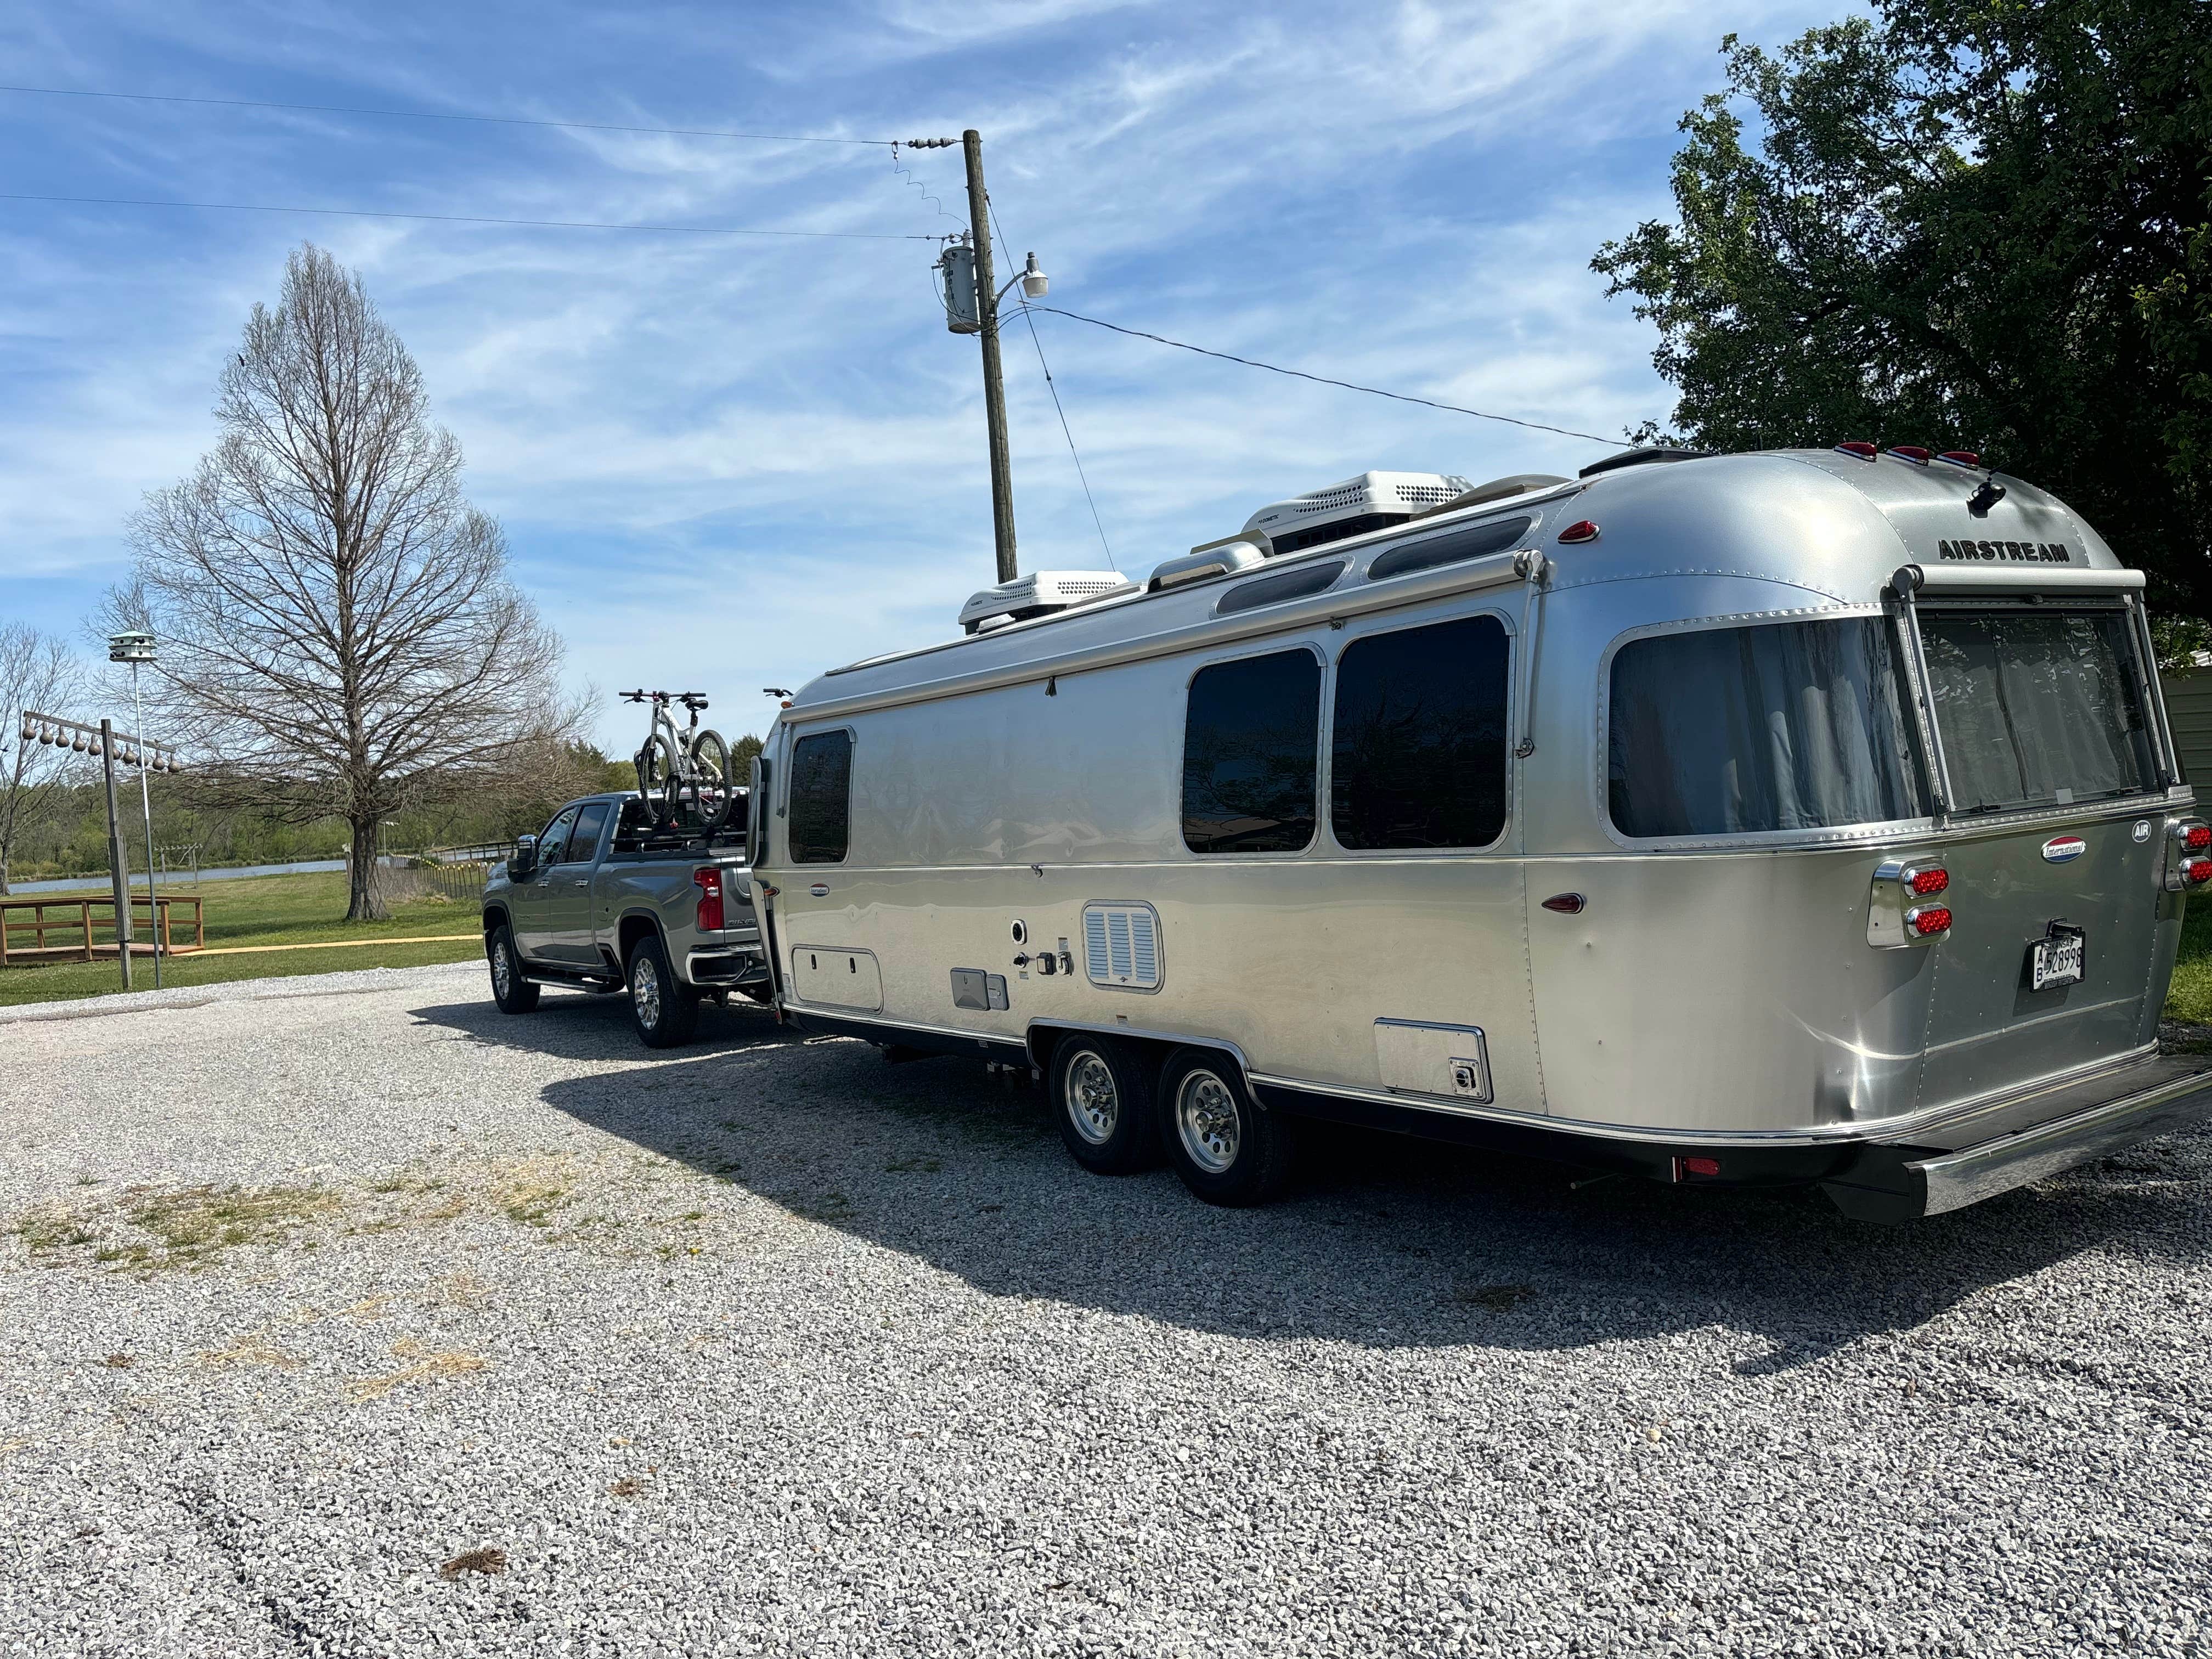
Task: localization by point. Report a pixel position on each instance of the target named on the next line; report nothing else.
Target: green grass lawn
(2190, 997)
(301, 909)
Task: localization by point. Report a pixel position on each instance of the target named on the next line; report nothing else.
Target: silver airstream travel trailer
(1792, 817)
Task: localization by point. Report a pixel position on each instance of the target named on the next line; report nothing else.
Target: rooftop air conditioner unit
(1040, 593)
(1373, 501)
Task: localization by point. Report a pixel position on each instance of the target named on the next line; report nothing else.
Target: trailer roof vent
(1373, 501)
(1040, 593)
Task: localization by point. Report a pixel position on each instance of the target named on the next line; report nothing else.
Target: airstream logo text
(2011, 552)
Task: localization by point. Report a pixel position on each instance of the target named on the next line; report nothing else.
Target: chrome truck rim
(645, 990)
(1092, 1102)
(1206, 1122)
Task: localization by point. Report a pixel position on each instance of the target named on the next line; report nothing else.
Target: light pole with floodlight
(135, 649)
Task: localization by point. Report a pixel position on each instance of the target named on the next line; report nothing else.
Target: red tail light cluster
(2197, 871)
(1926, 883)
(708, 881)
(1927, 921)
(2197, 837)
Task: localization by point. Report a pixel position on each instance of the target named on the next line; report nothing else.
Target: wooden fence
(88, 919)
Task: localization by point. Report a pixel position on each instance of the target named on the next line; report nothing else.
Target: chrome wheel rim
(1208, 1121)
(502, 970)
(1093, 1104)
(645, 990)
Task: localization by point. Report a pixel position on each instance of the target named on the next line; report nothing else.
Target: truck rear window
(1780, 726)
(2036, 708)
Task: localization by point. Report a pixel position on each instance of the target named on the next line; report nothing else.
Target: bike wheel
(657, 780)
(710, 778)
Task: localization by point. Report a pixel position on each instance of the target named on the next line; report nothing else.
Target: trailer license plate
(2058, 960)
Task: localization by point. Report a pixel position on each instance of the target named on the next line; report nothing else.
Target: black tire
(1101, 1099)
(1226, 1149)
(513, 993)
(713, 789)
(663, 1008)
(658, 784)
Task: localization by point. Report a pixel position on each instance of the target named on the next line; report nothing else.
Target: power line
(435, 115)
(1323, 379)
(1050, 385)
(475, 219)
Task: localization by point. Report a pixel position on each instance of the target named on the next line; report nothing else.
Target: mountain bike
(677, 764)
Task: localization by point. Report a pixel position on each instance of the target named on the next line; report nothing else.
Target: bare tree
(35, 672)
(338, 630)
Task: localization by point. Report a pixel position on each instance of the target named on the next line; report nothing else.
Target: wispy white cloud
(737, 461)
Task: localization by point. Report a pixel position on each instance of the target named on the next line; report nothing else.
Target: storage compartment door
(836, 977)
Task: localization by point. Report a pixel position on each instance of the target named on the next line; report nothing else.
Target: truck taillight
(2197, 837)
(1927, 882)
(1927, 921)
(2197, 871)
(709, 883)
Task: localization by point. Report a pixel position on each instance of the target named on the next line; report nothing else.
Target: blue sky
(731, 462)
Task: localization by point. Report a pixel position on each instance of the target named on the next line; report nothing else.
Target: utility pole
(116, 868)
(994, 390)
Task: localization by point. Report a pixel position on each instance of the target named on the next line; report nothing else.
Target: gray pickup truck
(607, 899)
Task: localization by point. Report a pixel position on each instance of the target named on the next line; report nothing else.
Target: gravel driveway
(345, 1315)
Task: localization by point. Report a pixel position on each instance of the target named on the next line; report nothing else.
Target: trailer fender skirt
(1903, 1183)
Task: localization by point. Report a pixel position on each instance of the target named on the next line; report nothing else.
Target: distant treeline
(67, 836)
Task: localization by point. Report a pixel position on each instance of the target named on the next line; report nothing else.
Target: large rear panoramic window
(2036, 708)
(1782, 726)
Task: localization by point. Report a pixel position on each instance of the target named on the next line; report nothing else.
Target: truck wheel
(1102, 1098)
(665, 1009)
(513, 993)
(1227, 1151)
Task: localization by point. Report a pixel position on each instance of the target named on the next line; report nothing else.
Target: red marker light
(1961, 458)
(1699, 1166)
(1926, 883)
(708, 881)
(1930, 920)
(1581, 531)
(1909, 453)
(1865, 452)
(1565, 904)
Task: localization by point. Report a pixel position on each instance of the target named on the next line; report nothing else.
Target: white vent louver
(1122, 946)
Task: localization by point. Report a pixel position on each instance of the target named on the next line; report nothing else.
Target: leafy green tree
(1983, 224)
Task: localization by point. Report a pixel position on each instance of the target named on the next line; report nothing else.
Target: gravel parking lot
(344, 1315)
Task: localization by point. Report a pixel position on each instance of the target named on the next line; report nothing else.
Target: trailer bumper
(1902, 1183)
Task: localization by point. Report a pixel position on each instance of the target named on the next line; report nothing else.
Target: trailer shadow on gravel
(1385, 1241)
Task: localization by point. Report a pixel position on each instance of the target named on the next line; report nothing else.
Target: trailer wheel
(1227, 1151)
(513, 993)
(1102, 1098)
(665, 1009)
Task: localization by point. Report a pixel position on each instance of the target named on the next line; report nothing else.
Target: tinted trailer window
(1417, 751)
(1780, 725)
(2036, 708)
(1251, 755)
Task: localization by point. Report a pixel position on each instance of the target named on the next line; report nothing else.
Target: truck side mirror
(526, 858)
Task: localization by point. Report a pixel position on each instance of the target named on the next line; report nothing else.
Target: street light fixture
(135, 647)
